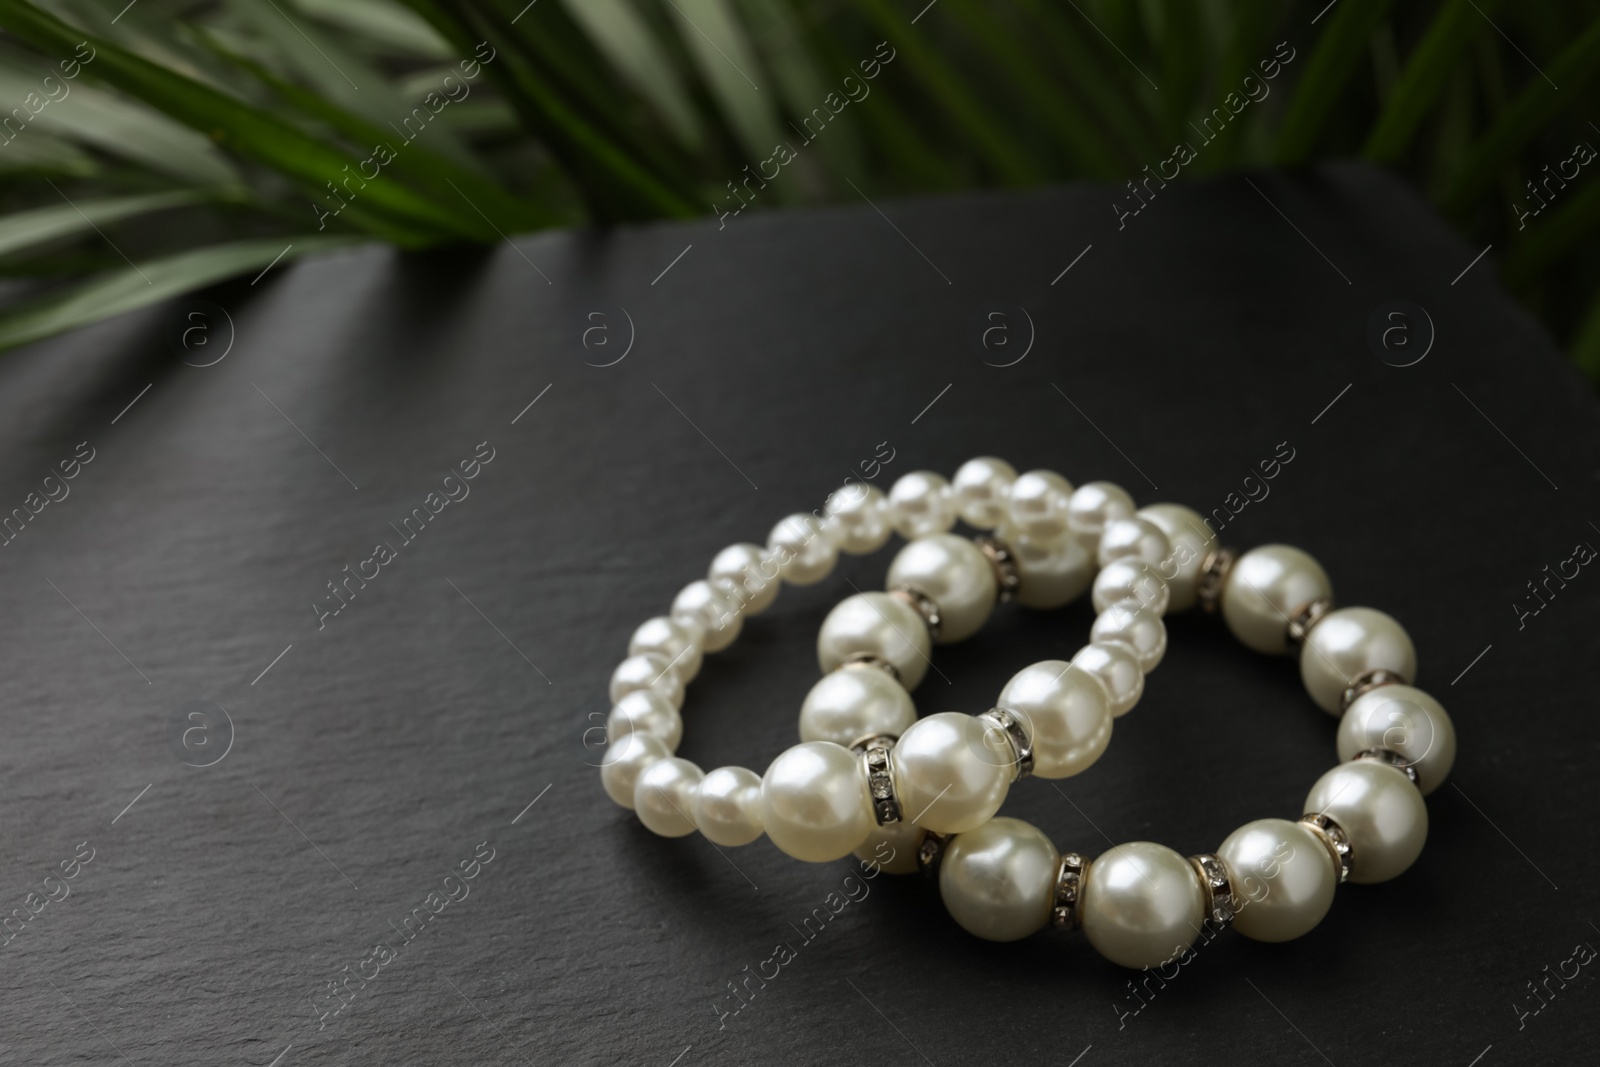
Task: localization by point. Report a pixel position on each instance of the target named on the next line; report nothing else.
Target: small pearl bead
(1381, 812)
(1066, 713)
(956, 575)
(948, 776)
(1283, 878)
(648, 671)
(803, 554)
(1264, 589)
(1142, 632)
(744, 573)
(1191, 540)
(1131, 579)
(981, 488)
(1094, 506)
(1115, 667)
(718, 616)
(1138, 539)
(814, 802)
(1037, 506)
(1053, 573)
(921, 503)
(1406, 721)
(619, 769)
(854, 703)
(857, 519)
(880, 625)
(675, 642)
(727, 806)
(999, 880)
(663, 797)
(1347, 643)
(1142, 904)
(893, 847)
(645, 711)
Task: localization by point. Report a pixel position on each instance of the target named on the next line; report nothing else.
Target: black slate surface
(413, 729)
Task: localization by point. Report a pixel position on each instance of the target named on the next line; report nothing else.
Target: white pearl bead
(647, 671)
(1138, 539)
(713, 611)
(1405, 721)
(1379, 810)
(619, 769)
(982, 487)
(1191, 541)
(814, 802)
(921, 503)
(1264, 589)
(663, 797)
(857, 519)
(854, 703)
(1142, 632)
(1142, 904)
(727, 806)
(1065, 712)
(1037, 506)
(1347, 643)
(744, 572)
(999, 880)
(956, 575)
(880, 625)
(1282, 877)
(1052, 573)
(1131, 579)
(1095, 505)
(676, 642)
(1115, 667)
(893, 847)
(950, 775)
(803, 553)
(645, 711)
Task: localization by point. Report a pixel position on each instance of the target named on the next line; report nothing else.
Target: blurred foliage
(164, 145)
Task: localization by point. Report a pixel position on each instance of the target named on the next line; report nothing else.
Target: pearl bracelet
(868, 773)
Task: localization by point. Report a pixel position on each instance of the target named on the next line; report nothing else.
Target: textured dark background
(1220, 322)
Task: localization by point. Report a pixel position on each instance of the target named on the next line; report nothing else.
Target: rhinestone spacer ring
(931, 851)
(1337, 841)
(1213, 576)
(1220, 903)
(1367, 682)
(923, 604)
(1308, 616)
(1004, 562)
(1016, 737)
(869, 661)
(1069, 888)
(880, 781)
(1392, 758)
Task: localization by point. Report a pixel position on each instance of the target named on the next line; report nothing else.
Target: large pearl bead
(893, 847)
(717, 615)
(676, 642)
(1142, 904)
(1142, 632)
(855, 703)
(746, 575)
(1115, 667)
(981, 487)
(857, 519)
(814, 802)
(1095, 505)
(999, 880)
(1405, 721)
(647, 672)
(727, 806)
(1282, 876)
(1264, 589)
(880, 625)
(623, 761)
(663, 797)
(644, 711)
(1191, 540)
(1052, 572)
(1379, 810)
(804, 554)
(1037, 505)
(1136, 539)
(1347, 643)
(956, 575)
(920, 504)
(1131, 579)
(950, 775)
(1065, 712)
